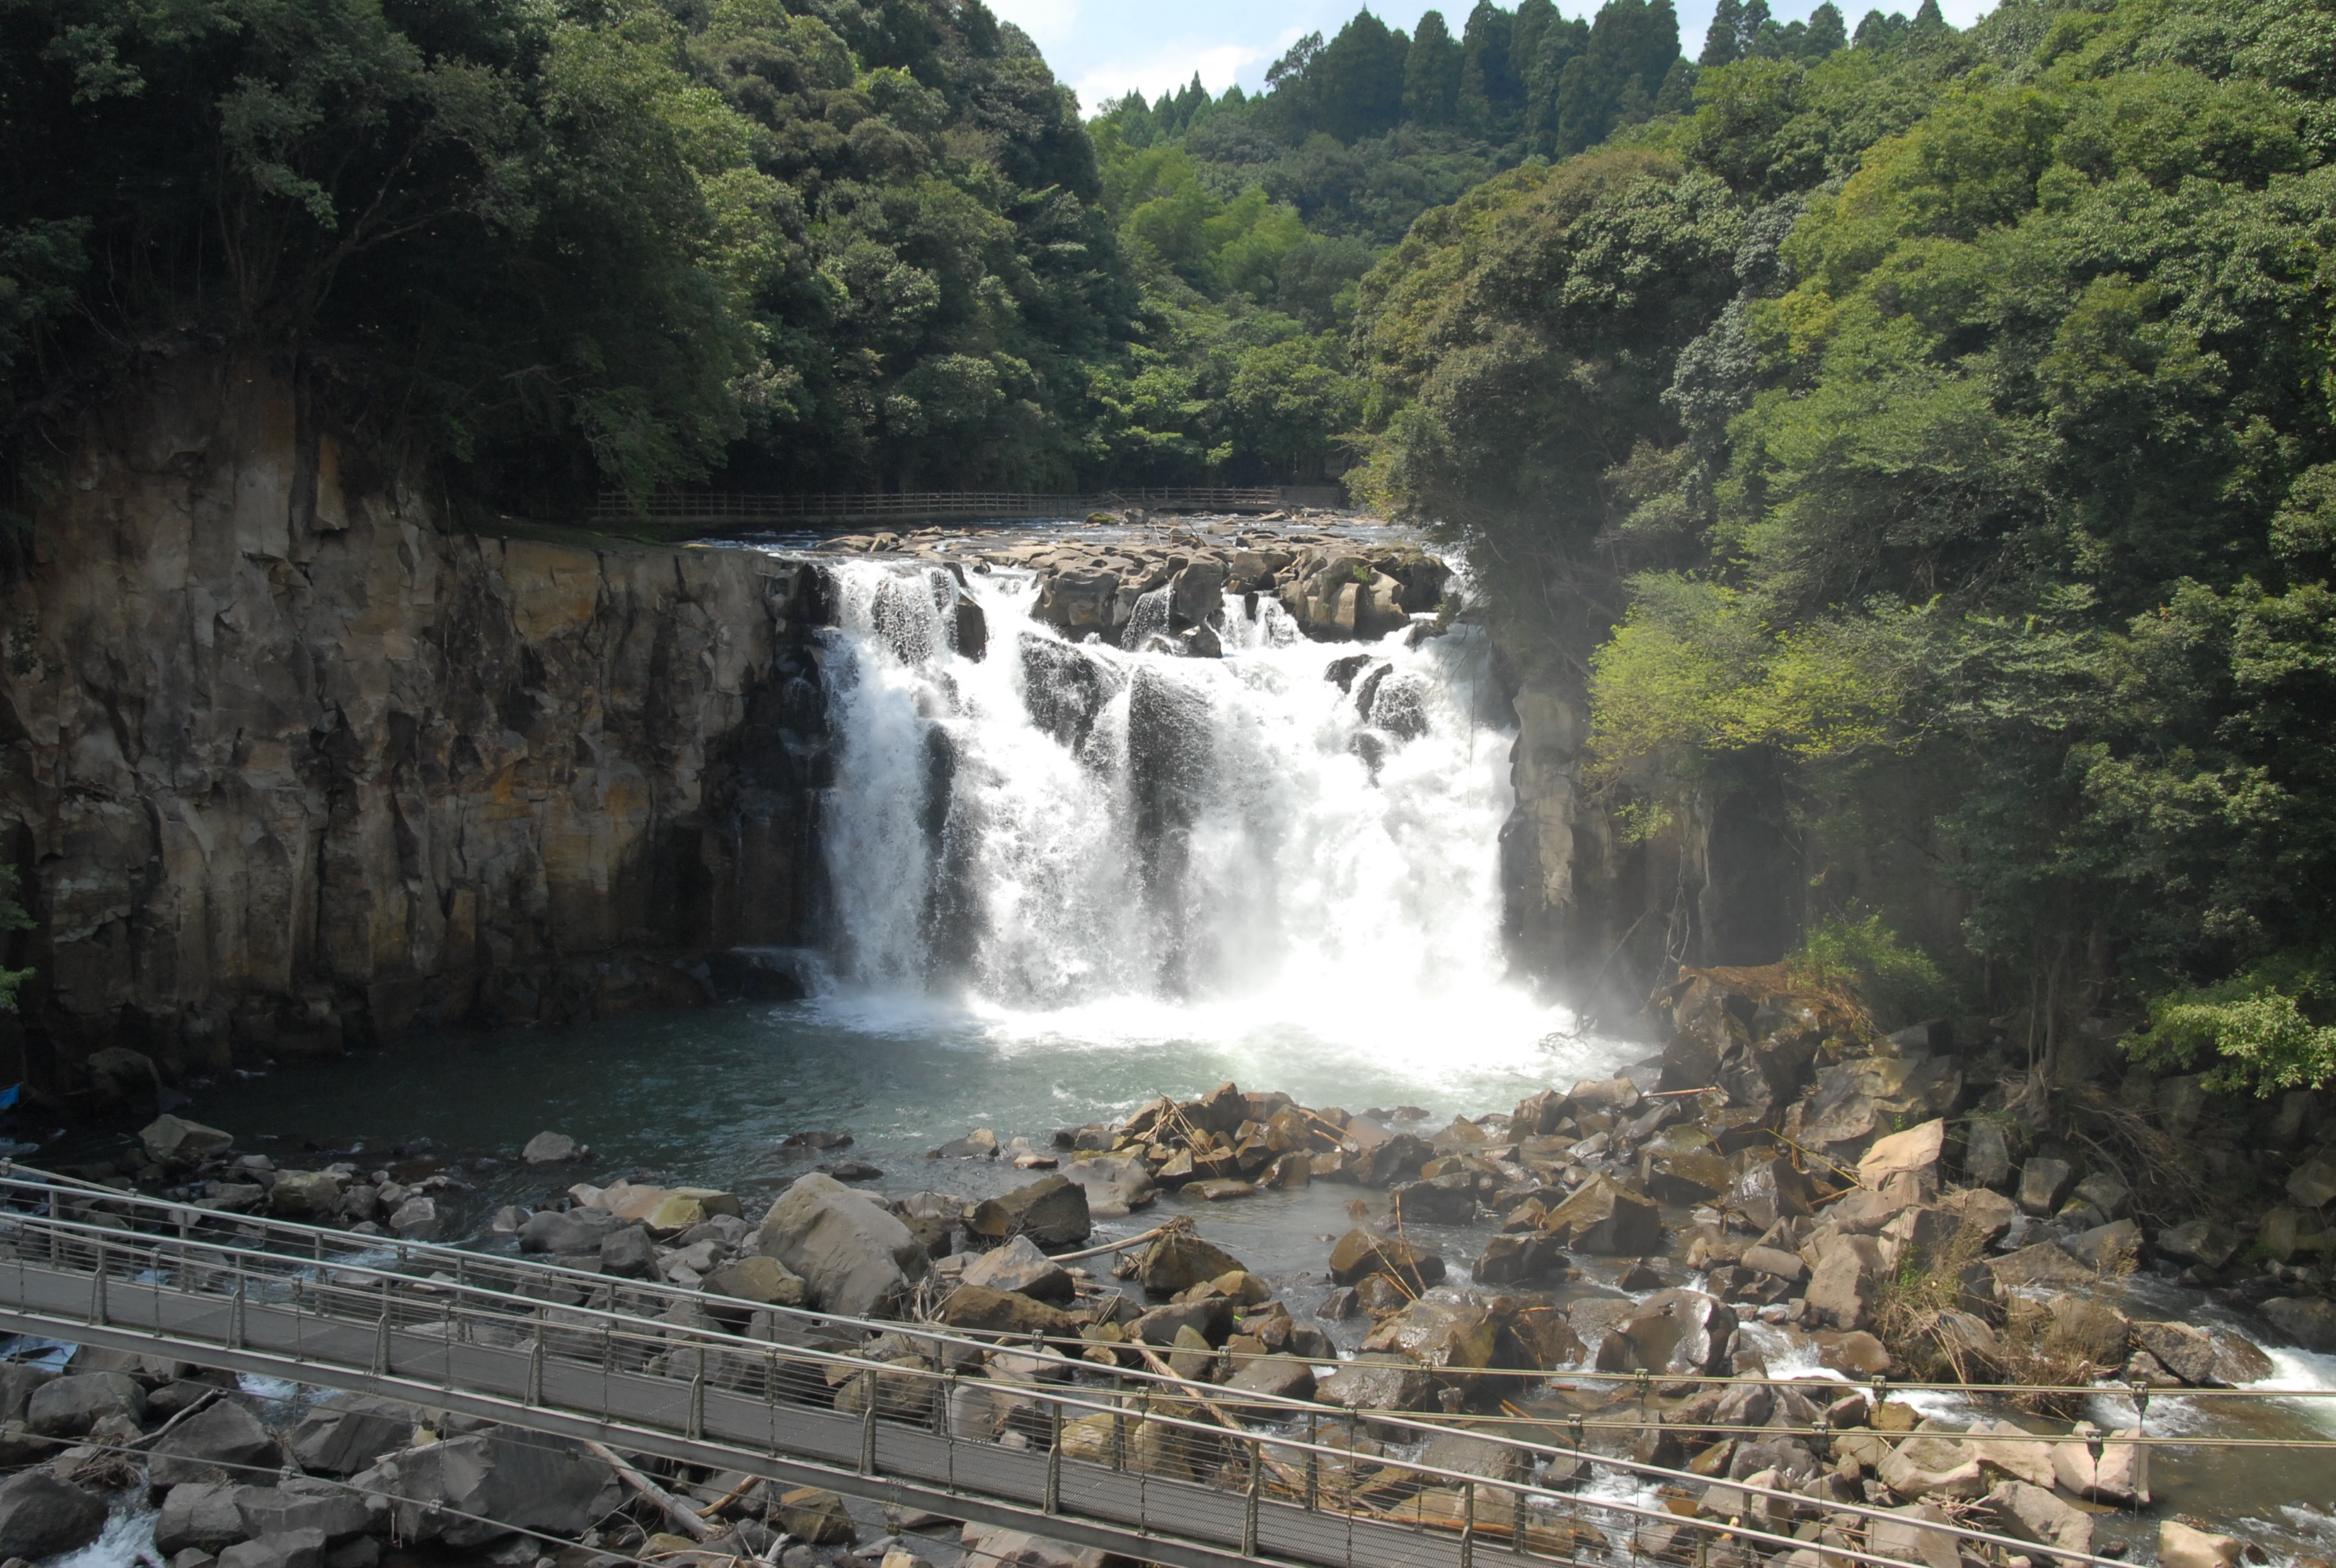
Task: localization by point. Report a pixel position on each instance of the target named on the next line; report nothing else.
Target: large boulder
(1052, 1212)
(1605, 1216)
(1180, 1260)
(1681, 1333)
(995, 1546)
(1378, 1382)
(1276, 1377)
(2089, 1328)
(1933, 1467)
(1398, 1159)
(2044, 1263)
(574, 1231)
(302, 1503)
(1360, 1254)
(288, 1549)
(2200, 1241)
(1987, 1153)
(1209, 1317)
(1842, 1287)
(416, 1219)
(69, 1406)
(854, 1255)
(2110, 1249)
(1455, 1338)
(449, 1491)
(2181, 1545)
(306, 1194)
(2044, 1183)
(18, 1383)
(1908, 1537)
(224, 1442)
(201, 1516)
(764, 1282)
(2204, 1357)
(1020, 1267)
(1516, 1258)
(1116, 1185)
(41, 1515)
(176, 1143)
(1449, 1199)
(2309, 1321)
(1916, 1150)
(1768, 1191)
(2314, 1183)
(346, 1433)
(549, 1149)
(1005, 1312)
(2033, 1514)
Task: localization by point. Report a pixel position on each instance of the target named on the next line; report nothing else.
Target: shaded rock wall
(292, 765)
(1602, 914)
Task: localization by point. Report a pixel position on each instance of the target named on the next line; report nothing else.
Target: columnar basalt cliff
(293, 764)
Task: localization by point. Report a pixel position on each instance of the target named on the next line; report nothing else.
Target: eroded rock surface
(298, 764)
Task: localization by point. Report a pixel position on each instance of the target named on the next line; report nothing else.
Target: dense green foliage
(1939, 432)
(573, 242)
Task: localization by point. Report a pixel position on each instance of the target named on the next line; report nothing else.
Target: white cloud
(1167, 68)
(1051, 23)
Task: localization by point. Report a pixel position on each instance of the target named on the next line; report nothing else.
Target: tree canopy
(1938, 433)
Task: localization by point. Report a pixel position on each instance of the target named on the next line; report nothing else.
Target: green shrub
(1898, 983)
(2262, 1029)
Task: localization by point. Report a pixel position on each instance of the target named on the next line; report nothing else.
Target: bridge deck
(1008, 1434)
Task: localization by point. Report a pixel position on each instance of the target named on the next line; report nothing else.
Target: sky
(1102, 48)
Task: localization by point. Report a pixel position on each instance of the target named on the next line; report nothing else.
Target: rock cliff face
(1604, 914)
(291, 765)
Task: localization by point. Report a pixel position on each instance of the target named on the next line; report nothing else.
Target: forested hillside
(1927, 450)
(561, 247)
(1916, 443)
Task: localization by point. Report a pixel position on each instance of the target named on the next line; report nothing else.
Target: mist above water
(1078, 844)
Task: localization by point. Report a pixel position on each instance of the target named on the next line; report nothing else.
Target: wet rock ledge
(1144, 582)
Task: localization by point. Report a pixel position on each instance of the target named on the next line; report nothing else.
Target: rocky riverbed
(1778, 1193)
(1158, 584)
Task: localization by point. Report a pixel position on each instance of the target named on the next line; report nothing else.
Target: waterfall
(1060, 833)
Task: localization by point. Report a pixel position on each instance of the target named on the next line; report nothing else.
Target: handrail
(365, 1292)
(457, 1256)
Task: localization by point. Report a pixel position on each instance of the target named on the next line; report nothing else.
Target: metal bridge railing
(1018, 1432)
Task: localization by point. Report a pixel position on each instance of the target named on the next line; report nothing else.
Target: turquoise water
(707, 1098)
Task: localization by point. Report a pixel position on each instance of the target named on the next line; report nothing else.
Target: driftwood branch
(673, 1507)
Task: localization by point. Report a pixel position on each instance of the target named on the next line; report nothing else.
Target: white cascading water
(1076, 841)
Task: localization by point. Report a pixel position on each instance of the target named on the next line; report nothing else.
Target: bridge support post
(697, 1399)
(97, 1308)
(868, 1428)
(1313, 1463)
(535, 1367)
(1469, 1525)
(1256, 1486)
(381, 1334)
(1053, 1498)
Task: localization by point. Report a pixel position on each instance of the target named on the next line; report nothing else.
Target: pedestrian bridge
(1009, 1433)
